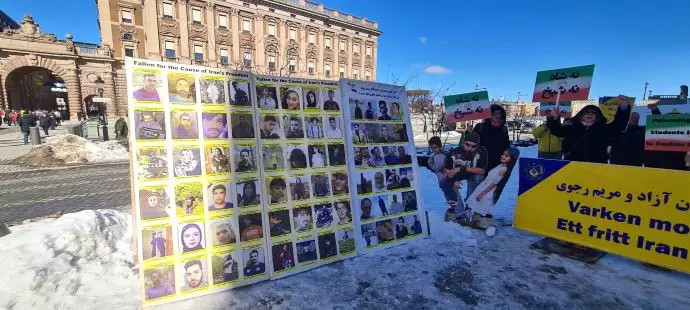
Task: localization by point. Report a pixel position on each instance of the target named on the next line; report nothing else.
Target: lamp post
(646, 84)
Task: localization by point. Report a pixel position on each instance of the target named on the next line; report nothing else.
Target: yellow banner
(641, 213)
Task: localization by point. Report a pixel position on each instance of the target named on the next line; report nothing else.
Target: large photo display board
(383, 166)
(198, 202)
(302, 151)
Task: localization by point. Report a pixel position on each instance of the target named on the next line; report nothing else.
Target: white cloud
(437, 70)
(423, 40)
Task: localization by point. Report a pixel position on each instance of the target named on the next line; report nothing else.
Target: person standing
(25, 123)
(628, 147)
(121, 129)
(493, 135)
(549, 145)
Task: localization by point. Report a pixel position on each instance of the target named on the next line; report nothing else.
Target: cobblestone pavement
(37, 193)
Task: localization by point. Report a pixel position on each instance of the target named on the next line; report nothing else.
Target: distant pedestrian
(46, 122)
(121, 129)
(14, 117)
(25, 123)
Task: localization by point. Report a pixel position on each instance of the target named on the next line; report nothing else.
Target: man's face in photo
(185, 120)
(366, 208)
(270, 126)
(266, 93)
(333, 124)
(278, 192)
(244, 156)
(182, 87)
(331, 94)
(248, 190)
(378, 179)
(219, 196)
(294, 126)
(156, 278)
(254, 257)
(223, 234)
(150, 82)
(194, 275)
(341, 208)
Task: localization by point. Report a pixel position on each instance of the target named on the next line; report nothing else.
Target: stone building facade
(273, 37)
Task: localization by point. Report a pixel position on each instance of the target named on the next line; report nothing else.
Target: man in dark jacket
(628, 147)
(25, 123)
(493, 135)
(46, 123)
(589, 135)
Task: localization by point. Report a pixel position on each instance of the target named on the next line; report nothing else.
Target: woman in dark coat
(589, 135)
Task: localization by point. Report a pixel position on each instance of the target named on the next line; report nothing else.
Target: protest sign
(566, 109)
(197, 195)
(609, 105)
(645, 111)
(384, 175)
(668, 132)
(467, 107)
(301, 142)
(572, 83)
(598, 206)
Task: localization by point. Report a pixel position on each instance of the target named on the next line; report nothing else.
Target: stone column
(3, 99)
(76, 103)
(259, 43)
(152, 45)
(374, 49)
(236, 28)
(302, 56)
(183, 22)
(211, 46)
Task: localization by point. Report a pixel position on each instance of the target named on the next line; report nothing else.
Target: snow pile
(71, 149)
(78, 261)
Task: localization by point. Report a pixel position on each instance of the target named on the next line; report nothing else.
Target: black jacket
(26, 121)
(628, 147)
(589, 144)
(494, 139)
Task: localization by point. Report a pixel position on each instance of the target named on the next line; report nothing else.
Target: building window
(368, 50)
(312, 38)
(129, 51)
(127, 37)
(168, 10)
(292, 34)
(271, 62)
(196, 16)
(247, 59)
(355, 73)
(367, 75)
(293, 65)
(198, 53)
(327, 42)
(223, 21)
(310, 67)
(271, 30)
(246, 25)
(342, 46)
(327, 70)
(224, 56)
(170, 49)
(355, 48)
(342, 72)
(126, 16)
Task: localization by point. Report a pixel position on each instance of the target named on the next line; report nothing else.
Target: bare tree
(429, 105)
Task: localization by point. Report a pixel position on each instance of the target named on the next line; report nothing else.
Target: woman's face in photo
(153, 201)
(248, 190)
(394, 109)
(340, 184)
(191, 237)
(342, 210)
(311, 98)
(216, 152)
(292, 101)
(186, 156)
(266, 93)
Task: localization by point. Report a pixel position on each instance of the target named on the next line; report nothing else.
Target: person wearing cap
(465, 162)
(493, 134)
(589, 135)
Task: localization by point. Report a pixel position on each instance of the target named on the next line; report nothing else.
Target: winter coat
(548, 143)
(589, 143)
(46, 122)
(628, 147)
(26, 121)
(494, 139)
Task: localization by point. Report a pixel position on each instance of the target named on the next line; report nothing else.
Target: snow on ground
(71, 149)
(83, 260)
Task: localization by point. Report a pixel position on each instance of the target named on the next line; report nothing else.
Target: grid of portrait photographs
(198, 194)
(302, 147)
(382, 170)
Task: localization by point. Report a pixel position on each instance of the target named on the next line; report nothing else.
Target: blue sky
(494, 44)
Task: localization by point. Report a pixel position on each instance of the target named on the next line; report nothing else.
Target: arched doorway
(29, 88)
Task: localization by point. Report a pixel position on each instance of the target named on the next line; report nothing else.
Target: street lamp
(645, 90)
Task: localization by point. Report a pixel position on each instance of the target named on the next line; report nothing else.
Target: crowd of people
(46, 120)
(484, 159)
